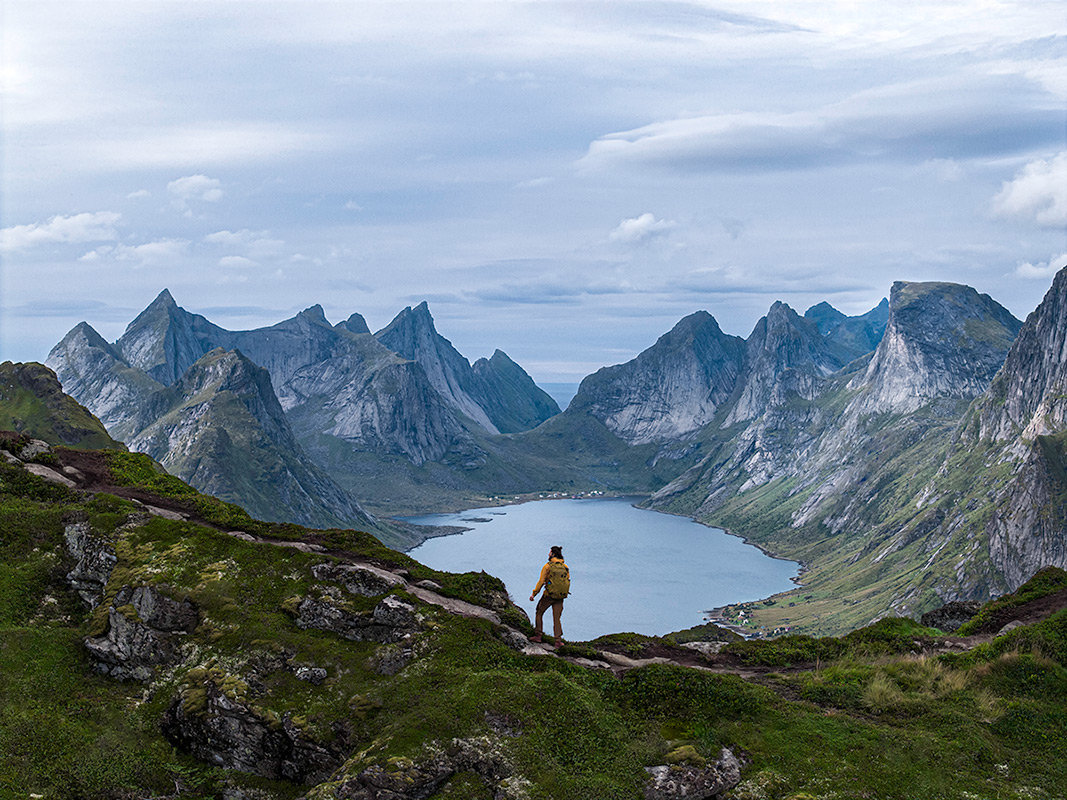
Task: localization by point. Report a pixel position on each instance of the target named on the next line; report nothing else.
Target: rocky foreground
(158, 642)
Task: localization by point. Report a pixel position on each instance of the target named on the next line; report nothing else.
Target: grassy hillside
(875, 714)
(32, 403)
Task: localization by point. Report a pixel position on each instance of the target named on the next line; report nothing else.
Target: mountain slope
(829, 480)
(221, 429)
(496, 394)
(33, 403)
(668, 391)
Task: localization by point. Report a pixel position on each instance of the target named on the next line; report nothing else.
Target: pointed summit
(354, 324)
(164, 300)
(315, 313)
(165, 339)
(671, 389)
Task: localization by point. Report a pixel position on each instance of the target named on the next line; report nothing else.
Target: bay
(631, 569)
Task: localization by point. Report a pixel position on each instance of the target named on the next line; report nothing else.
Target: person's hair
(555, 551)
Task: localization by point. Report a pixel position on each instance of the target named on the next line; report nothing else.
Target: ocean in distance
(631, 569)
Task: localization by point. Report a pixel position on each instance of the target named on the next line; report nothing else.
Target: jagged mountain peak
(785, 356)
(942, 340)
(164, 340)
(354, 324)
(669, 390)
(315, 313)
(1027, 395)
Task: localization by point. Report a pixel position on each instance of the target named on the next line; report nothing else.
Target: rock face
(221, 429)
(496, 393)
(942, 340)
(670, 390)
(144, 628)
(1022, 421)
(785, 357)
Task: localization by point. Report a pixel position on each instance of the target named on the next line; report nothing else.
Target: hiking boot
(559, 644)
(536, 638)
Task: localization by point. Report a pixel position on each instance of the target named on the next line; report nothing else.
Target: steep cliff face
(1021, 425)
(1029, 396)
(95, 374)
(670, 390)
(942, 340)
(514, 402)
(785, 357)
(496, 394)
(165, 340)
(221, 428)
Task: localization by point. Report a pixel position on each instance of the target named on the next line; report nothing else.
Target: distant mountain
(221, 428)
(496, 394)
(33, 403)
(857, 335)
(670, 390)
(372, 418)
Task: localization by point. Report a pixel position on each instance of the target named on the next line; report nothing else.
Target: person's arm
(540, 583)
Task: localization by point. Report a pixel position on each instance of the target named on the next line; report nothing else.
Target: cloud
(161, 251)
(257, 244)
(97, 226)
(352, 205)
(641, 229)
(1041, 271)
(533, 183)
(918, 121)
(196, 187)
(237, 262)
(1038, 191)
(138, 194)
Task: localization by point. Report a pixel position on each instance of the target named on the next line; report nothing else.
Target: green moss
(1045, 582)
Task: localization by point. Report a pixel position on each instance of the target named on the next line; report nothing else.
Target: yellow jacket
(544, 574)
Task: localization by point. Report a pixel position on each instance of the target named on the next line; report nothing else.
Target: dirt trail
(88, 470)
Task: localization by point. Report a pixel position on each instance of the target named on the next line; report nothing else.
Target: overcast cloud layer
(561, 181)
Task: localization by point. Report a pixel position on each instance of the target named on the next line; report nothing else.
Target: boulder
(951, 615)
(687, 782)
(361, 579)
(94, 557)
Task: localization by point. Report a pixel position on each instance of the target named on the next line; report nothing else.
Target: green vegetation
(858, 716)
(1044, 583)
(32, 403)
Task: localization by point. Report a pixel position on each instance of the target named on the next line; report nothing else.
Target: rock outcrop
(144, 632)
(213, 720)
(410, 779)
(691, 782)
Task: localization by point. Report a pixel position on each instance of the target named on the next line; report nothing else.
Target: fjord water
(631, 569)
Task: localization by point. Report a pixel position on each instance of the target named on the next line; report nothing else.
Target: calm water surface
(631, 569)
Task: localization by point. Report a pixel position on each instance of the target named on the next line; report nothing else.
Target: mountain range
(908, 456)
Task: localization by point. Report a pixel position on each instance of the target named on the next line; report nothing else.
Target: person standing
(556, 580)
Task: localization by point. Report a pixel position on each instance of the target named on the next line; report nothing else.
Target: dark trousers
(557, 611)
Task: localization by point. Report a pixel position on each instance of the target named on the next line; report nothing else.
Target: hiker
(556, 579)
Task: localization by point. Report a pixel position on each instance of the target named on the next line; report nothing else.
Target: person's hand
(531, 598)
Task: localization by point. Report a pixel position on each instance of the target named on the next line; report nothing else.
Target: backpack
(558, 582)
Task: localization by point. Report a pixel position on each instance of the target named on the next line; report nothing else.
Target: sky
(563, 181)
